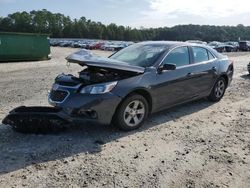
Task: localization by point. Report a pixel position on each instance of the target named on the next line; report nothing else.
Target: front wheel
(132, 113)
(218, 90)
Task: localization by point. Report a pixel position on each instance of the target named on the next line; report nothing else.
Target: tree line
(61, 26)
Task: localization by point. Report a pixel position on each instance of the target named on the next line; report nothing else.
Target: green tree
(59, 26)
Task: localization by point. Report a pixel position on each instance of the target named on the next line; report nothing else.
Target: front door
(175, 86)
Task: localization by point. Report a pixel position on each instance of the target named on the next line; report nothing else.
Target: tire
(218, 90)
(131, 113)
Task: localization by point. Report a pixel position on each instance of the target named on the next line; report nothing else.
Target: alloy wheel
(219, 89)
(134, 113)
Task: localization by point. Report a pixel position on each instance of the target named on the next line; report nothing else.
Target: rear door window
(200, 54)
(178, 56)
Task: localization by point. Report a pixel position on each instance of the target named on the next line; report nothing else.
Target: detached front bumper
(73, 107)
(77, 108)
(36, 119)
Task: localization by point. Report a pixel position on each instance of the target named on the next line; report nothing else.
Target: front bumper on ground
(77, 108)
(35, 119)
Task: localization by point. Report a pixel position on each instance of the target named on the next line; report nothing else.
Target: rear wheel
(132, 113)
(218, 91)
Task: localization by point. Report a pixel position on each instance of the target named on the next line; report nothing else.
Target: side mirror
(166, 67)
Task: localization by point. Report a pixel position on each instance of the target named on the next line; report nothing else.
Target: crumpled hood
(86, 58)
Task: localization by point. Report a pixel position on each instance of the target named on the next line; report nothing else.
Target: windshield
(143, 55)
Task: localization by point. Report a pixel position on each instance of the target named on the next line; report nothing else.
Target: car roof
(171, 44)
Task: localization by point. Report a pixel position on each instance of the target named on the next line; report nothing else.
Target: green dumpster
(24, 46)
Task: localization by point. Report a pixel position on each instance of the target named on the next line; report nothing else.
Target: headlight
(99, 88)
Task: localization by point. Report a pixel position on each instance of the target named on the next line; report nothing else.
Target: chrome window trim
(171, 51)
(211, 54)
(203, 62)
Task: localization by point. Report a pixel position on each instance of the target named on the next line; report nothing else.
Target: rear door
(203, 70)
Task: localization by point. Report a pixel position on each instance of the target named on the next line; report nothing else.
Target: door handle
(190, 74)
(214, 68)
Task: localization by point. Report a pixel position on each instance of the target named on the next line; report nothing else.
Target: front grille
(62, 83)
(58, 95)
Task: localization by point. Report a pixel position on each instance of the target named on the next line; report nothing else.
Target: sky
(142, 13)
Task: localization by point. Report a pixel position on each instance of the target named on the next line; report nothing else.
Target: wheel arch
(146, 95)
(225, 77)
(140, 91)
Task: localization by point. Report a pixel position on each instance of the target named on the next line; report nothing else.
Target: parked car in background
(244, 45)
(214, 44)
(230, 48)
(125, 88)
(221, 47)
(98, 45)
(54, 43)
(91, 44)
(108, 46)
(65, 44)
(234, 44)
(73, 43)
(76, 44)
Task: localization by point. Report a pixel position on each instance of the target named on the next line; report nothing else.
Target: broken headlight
(99, 88)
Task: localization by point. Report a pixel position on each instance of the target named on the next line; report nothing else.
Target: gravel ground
(199, 144)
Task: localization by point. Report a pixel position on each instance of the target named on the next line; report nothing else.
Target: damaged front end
(85, 97)
(96, 70)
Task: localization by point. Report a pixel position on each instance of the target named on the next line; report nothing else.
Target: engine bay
(93, 75)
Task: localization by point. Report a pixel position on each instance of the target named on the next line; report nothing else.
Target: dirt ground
(199, 144)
